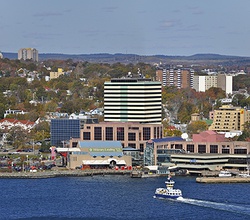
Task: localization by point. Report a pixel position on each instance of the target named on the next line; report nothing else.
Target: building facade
(55, 75)
(203, 83)
(98, 154)
(180, 78)
(132, 100)
(28, 54)
(130, 134)
(191, 155)
(62, 130)
(229, 118)
(225, 82)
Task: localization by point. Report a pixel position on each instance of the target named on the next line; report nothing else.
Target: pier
(223, 179)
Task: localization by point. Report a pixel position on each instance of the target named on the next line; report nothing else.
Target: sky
(143, 27)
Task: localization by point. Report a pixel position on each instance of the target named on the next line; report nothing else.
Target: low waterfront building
(96, 154)
(195, 163)
(209, 152)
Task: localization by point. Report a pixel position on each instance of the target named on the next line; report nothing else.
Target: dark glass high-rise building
(62, 130)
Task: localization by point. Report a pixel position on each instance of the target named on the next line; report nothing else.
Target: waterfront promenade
(61, 173)
(223, 180)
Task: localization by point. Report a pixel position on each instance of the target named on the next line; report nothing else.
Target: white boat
(244, 175)
(169, 192)
(225, 173)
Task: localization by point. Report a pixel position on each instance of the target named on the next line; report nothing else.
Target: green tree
(246, 133)
(17, 136)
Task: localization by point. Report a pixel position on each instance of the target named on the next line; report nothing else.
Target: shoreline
(61, 173)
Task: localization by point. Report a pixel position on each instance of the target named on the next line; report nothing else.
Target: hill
(133, 58)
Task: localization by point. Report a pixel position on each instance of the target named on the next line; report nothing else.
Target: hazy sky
(144, 27)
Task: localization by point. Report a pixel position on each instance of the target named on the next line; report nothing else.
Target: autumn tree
(185, 111)
(196, 127)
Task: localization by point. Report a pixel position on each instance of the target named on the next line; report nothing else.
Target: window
(131, 136)
(201, 149)
(240, 151)
(120, 134)
(214, 149)
(225, 151)
(190, 148)
(132, 145)
(146, 134)
(109, 134)
(141, 147)
(98, 133)
(74, 144)
(178, 146)
(86, 135)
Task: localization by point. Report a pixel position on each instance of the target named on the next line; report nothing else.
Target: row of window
(212, 149)
(120, 134)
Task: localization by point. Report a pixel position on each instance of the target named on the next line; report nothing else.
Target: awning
(103, 162)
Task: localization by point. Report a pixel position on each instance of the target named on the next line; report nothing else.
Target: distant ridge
(133, 58)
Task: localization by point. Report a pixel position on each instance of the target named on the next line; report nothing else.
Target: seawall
(61, 173)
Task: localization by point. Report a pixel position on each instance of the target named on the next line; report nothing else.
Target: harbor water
(120, 197)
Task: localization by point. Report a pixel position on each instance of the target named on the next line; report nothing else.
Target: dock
(223, 179)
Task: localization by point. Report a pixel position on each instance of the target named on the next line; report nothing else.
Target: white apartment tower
(203, 83)
(28, 54)
(132, 100)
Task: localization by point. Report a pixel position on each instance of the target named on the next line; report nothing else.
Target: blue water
(120, 197)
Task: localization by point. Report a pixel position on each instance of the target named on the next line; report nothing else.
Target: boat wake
(243, 209)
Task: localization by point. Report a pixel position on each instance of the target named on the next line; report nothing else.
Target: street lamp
(27, 161)
(33, 146)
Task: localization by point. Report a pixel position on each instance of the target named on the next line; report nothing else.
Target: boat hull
(164, 196)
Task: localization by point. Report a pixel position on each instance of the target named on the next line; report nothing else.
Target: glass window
(120, 134)
(131, 136)
(86, 135)
(213, 149)
(178, 146)
(190, 148)
(146, 133)
(225, 151)
(201, 148)
(98, 133)
(240, 151)
(141, 147)
(109, 133)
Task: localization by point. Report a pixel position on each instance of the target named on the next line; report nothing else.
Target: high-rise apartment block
(28, 54)
(229, 118)
(132, 100)
(223, 81)
(203, 83)
(181, 78)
